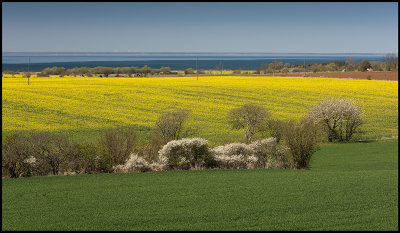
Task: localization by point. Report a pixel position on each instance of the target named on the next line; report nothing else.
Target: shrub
(300, 137)
(186, 154)
(269, 153)
(275, 128)
(89, 158)
(189, 71)
(133, 164)
(119, 143)
(16, 156)
(234, 155)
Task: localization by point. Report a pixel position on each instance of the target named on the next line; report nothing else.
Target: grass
(86, 106)
(349, 187)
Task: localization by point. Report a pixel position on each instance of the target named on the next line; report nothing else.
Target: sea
(36, 62)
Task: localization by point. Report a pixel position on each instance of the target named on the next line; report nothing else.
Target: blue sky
(334, 27)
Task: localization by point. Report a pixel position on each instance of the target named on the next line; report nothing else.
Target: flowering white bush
(187, 153)
(266, 153)
(269, 153)
(234, 155)
(133, 164)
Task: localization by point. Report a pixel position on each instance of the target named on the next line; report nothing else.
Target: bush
(89, 158)
(234, 155)
(17, 156)
(119, 143)
(189, 71)
(186, 154)
(133, 164)
(269, 153)
(275, 128)
(300, 137)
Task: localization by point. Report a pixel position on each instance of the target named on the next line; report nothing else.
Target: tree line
(389, 63)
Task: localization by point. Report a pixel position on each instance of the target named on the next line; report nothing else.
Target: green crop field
(84, 107)
(349, 187)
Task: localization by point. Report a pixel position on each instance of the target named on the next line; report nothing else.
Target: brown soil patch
(392, 76)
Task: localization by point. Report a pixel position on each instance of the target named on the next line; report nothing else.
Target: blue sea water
(39, 61)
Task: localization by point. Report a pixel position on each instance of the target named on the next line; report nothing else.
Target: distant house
(370, 69)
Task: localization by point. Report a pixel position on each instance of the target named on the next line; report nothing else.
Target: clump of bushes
(270, 154)
(266, 153)
(133, 164)
(235, 156)
(187, 153)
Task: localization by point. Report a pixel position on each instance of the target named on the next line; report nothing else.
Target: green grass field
(349, 187)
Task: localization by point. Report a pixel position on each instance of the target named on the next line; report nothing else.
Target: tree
(249, 117)
(339, 118)
(364, 65)
(165, 70)
(331, 66)
(103, 70)
(119, 143)
(169, 125)
(145, 70)
(349, 64)
(50, 151)
(264, 67)
(15, 151)
(277, 64)
(301, 137)
(391, 62)
(189, 71)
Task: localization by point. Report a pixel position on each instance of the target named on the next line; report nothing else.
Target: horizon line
(110, 52)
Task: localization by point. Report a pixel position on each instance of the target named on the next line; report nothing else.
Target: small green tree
(165, 70)
(364, 65)
(189, 71)
(249, 117)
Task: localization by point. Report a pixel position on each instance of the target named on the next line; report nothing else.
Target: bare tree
(349, 64)
(50, 150)
(249, 117)
(391, 62)
(169, 125)
(301, 137)
(119, 143)
(15, 150)
(340, 118)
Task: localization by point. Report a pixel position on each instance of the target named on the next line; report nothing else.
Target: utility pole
(197, 71)
(304, 66)
(29, 64)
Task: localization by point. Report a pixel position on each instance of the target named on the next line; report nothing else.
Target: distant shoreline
(188, 53)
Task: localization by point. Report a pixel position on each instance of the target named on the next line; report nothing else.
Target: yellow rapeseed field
(83, 106)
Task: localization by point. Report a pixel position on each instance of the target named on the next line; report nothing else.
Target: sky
(289, 27)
